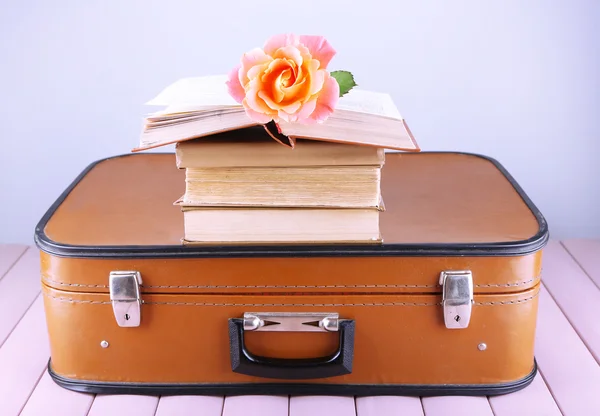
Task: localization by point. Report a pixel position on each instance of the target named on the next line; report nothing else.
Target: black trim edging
(235, 389)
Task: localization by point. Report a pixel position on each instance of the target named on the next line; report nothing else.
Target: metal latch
(125, 297)
(291, 321)
(457, 298)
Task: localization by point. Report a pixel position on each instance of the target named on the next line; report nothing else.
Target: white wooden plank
(256, 406)
(572, 374)
(388, 406)
(109, 405)
(322, 406)
(49, 398)
(587, 253)
(18, 289)
(23, 359)
(574, 292)
(9, 254)
(456, 406)
(190, 406)
(533, 400)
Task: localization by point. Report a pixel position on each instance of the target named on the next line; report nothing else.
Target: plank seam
(579, 264)
(14, 262)
(32, 390)
(157, 403)
(579, 335)
(549, 387)
(91, 404)
(491, 406)
(19, 321)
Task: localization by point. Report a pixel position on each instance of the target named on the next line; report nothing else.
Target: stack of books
(284, 183)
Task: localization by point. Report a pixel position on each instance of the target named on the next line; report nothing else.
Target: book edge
(292, 138)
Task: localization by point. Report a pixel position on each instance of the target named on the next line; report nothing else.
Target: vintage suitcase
(446, 305)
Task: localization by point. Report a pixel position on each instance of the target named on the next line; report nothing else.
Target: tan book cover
(253, 147)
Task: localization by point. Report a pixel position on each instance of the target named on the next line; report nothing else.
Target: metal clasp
(457, 298)
(291, 321)
(125, 297)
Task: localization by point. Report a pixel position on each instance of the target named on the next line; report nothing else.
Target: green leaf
(345, 80)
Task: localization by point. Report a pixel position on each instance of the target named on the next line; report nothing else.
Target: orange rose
(286, 80)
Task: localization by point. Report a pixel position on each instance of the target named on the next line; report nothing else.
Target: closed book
(321, 186)
(280, 225)
(253, 147)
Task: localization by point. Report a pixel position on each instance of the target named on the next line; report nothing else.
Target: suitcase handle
(336, 364)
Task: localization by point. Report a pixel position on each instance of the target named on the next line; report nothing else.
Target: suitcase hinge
(457, 298)
(125, 297)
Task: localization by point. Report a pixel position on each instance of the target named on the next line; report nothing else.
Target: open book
(199, 107)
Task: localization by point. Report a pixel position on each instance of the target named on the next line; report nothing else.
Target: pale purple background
(515, 80)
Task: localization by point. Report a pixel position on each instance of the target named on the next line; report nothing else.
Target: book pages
(371, 102)
(210, 92)
(196, 91)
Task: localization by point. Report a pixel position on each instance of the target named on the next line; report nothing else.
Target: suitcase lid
(436, 204)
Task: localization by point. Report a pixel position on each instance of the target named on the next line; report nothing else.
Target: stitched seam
(292, 286)
(54, 282)
(510, 302)
(70, 300)
(76, 284)
(525, 282)
(294, 304)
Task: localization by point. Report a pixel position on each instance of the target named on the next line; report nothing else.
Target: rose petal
(277, 89)
(234, 87)
(256, 116)
(286, 77)
(306, 110)
(290, 52)
(279, 41)
(268, 101)
(271, 78)
(291, 108)
(317, 78)
(326, 100)
(275, 67)
(319, 48)
(254, 101)
(249, 60)
(298, 91)
(304, 51)
(255, 71)
(283, 115)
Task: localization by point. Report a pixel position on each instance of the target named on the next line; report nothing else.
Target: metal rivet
(482, 346)
(104, 344)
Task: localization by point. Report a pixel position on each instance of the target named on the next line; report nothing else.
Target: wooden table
(567, 351)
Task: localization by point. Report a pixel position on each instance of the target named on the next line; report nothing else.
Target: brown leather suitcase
(446, 304)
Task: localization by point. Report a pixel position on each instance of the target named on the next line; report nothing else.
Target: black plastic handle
(336, 364)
